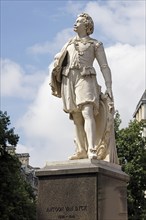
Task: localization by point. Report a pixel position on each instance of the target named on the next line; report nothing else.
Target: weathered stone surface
(82, 190)
(73, 79)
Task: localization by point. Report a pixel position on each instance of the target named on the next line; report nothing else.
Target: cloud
(23, 149)
(75, 7)
(15, 82)
(115, 21)
(127, 63)
(48, 130)
(119, 21)
(48, 133)
(53, 46)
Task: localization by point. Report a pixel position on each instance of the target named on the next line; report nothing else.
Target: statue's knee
(78, 119)
(87, 111)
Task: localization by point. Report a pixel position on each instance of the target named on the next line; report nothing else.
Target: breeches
(78, 90)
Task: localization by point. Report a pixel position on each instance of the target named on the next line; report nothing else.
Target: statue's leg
(81, 152)
(90, 128)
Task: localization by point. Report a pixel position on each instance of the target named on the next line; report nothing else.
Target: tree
(7, 135)
(131, 146)
(16, 195)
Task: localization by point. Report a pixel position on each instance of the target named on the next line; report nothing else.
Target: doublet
(78, 55)
(81, 55)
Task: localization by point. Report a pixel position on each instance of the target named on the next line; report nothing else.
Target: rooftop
(141, 101)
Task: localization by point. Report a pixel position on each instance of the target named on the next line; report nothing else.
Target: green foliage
(131, 146)
(16, 195)
(17, 200)
(7, 135)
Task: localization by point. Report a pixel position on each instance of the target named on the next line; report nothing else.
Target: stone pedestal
(82, 190)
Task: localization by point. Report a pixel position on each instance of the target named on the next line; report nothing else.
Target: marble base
(82, 190)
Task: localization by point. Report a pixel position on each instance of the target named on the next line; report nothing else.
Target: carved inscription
(66, 212)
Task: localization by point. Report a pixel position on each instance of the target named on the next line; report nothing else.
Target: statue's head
(89, 24)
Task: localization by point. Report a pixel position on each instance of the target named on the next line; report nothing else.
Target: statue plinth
(82, 190)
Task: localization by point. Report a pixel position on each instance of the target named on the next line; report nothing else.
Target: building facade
(140, 112)
(28, 171)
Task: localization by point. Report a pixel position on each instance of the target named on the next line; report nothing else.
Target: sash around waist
(84, 71)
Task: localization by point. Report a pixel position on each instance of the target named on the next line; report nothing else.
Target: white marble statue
(74, 80)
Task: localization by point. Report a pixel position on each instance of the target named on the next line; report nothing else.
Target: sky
(32, 32)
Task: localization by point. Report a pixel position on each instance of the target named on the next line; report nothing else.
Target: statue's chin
(75, 29)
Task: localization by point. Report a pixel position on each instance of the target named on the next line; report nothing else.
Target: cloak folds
(56, 76)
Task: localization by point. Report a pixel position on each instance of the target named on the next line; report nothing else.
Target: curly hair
(88, 23)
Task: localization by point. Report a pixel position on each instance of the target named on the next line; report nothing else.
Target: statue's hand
(110, 100)
(109, 93)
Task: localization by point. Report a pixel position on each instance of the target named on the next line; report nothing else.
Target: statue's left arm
(103, 64)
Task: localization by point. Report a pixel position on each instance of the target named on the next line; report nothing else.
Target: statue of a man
(74, 79)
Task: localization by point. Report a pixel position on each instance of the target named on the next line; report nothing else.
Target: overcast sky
(32, 32)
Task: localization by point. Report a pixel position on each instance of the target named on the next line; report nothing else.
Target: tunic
(79, 84)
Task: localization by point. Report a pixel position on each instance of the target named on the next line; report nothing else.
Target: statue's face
(79, 25)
